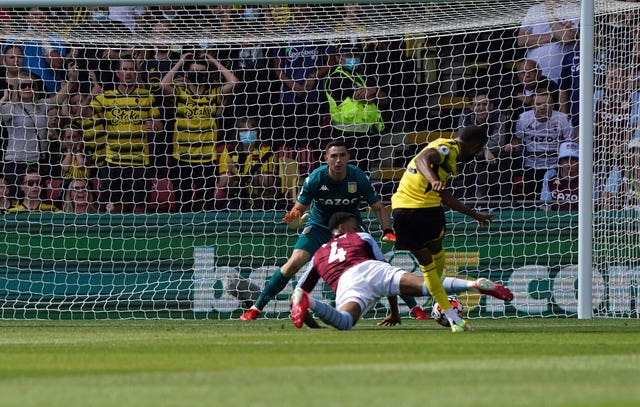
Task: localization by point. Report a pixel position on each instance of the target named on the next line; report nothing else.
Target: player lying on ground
(353, 265)
(334, 187)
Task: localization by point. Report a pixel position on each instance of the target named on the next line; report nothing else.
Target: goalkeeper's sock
(341, 320)
(434, 284)
(457, 285)
(274, 286)
(439, 261)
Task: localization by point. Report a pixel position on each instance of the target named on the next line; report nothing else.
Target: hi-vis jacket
(353, 115)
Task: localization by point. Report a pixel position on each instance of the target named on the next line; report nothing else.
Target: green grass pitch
(505, 362)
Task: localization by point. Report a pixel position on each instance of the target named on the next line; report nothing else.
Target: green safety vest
(353, 115)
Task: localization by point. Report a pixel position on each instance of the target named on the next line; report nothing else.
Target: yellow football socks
(439, 260)
(434, 284)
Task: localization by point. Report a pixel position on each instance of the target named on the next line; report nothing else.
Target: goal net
(150, 153)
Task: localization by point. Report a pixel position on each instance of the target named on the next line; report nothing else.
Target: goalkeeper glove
(388, 236)
(291, 216)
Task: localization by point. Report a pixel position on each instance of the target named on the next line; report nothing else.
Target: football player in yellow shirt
(418, 214)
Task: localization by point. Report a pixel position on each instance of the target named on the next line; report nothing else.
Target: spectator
(300, 66)
(483, 178)
(80, 116)
(23, 113)
(560, 184)
(539, 132)
(570, 84)
(5, 198)
(73, 163)
(386, 63)
(31, 187)
(381, 58)
(78, 198)
(161, 60)
(247, 170)
(529, 79)
(59, 118)
(547, 33)
(617, 111)
(44, 53)
(195, 135)
(354, 105)
(13, 64)
(622, 189)
(127, 114)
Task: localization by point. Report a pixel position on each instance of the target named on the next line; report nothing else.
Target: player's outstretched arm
(483, 219)
(385, 223)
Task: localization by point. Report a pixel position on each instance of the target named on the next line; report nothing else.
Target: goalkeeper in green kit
(336, 186)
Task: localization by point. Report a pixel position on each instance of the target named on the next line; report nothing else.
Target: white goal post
(190, 126)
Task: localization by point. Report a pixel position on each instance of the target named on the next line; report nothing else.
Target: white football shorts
(367, 282)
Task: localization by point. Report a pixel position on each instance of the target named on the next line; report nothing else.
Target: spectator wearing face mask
(247, 171)
(198, 97)
(354, 104)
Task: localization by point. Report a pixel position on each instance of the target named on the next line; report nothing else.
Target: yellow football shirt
(414, 190)
(196, 129)
(123, 117)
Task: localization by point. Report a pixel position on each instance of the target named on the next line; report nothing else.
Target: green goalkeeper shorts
(311, 238)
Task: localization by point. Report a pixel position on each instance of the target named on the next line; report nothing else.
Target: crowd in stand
(97, 128)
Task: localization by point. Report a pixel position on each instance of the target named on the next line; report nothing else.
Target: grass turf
(505, 362)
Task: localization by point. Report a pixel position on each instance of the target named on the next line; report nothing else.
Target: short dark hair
(339, 218)
(195, 60)
(127, 58)
(481, 91)
(473, 134)
(29, 170)
(336, 143)
(8, 46)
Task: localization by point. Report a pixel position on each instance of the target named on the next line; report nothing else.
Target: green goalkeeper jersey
(329, 196)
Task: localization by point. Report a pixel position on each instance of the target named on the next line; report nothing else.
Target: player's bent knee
(289, 272)
(297, 260)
